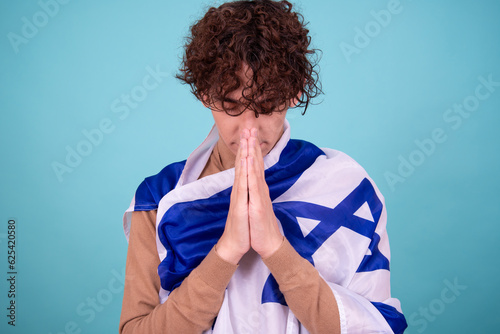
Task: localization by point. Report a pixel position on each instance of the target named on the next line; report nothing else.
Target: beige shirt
(193, 306)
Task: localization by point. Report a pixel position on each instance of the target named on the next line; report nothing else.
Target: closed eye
(266, 106)
(229, 104)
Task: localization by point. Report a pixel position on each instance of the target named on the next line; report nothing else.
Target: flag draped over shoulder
(328, 209)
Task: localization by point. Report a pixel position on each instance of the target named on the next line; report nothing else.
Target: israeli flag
(328, 209)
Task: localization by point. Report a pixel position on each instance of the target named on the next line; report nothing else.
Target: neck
(225, 157)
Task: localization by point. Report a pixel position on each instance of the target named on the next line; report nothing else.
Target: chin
(265, 151)
(234, 147)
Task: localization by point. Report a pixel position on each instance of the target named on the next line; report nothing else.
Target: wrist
(274, 245)
(228, 253)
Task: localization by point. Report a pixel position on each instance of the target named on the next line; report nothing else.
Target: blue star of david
(330, 220)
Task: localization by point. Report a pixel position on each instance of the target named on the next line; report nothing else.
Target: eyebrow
(230, 100)
(227, 99)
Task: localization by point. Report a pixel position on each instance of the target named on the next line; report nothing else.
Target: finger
(242, 151)
(241, 181)
(239, 191)
(252, 179)
(243, 165)
(257, 185)
(254, 133)
(255, 162)
(244, 136)
(241, 154)
(257, 152)
(237, 170)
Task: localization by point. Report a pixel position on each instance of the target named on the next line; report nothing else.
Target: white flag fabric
(328, 209)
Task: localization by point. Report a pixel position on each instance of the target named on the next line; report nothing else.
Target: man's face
(270, 127)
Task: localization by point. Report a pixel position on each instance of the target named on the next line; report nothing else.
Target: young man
(256, 232)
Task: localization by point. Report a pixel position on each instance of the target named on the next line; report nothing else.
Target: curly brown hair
(266, 36)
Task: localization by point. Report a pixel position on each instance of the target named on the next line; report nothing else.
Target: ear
(205, 100)
(294, 101)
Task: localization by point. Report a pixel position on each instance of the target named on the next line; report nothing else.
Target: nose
(249, 119)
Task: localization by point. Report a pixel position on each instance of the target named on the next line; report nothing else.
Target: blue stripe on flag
(376, 260)
(395, 319)
(153, 188)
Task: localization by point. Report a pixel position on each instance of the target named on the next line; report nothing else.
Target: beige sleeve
(306, 292)
(190, 308)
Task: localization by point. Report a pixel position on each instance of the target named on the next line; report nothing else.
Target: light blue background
(443, 219)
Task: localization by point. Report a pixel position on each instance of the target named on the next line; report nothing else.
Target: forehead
(247, 87)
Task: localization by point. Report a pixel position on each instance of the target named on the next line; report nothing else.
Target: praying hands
(251, 222)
